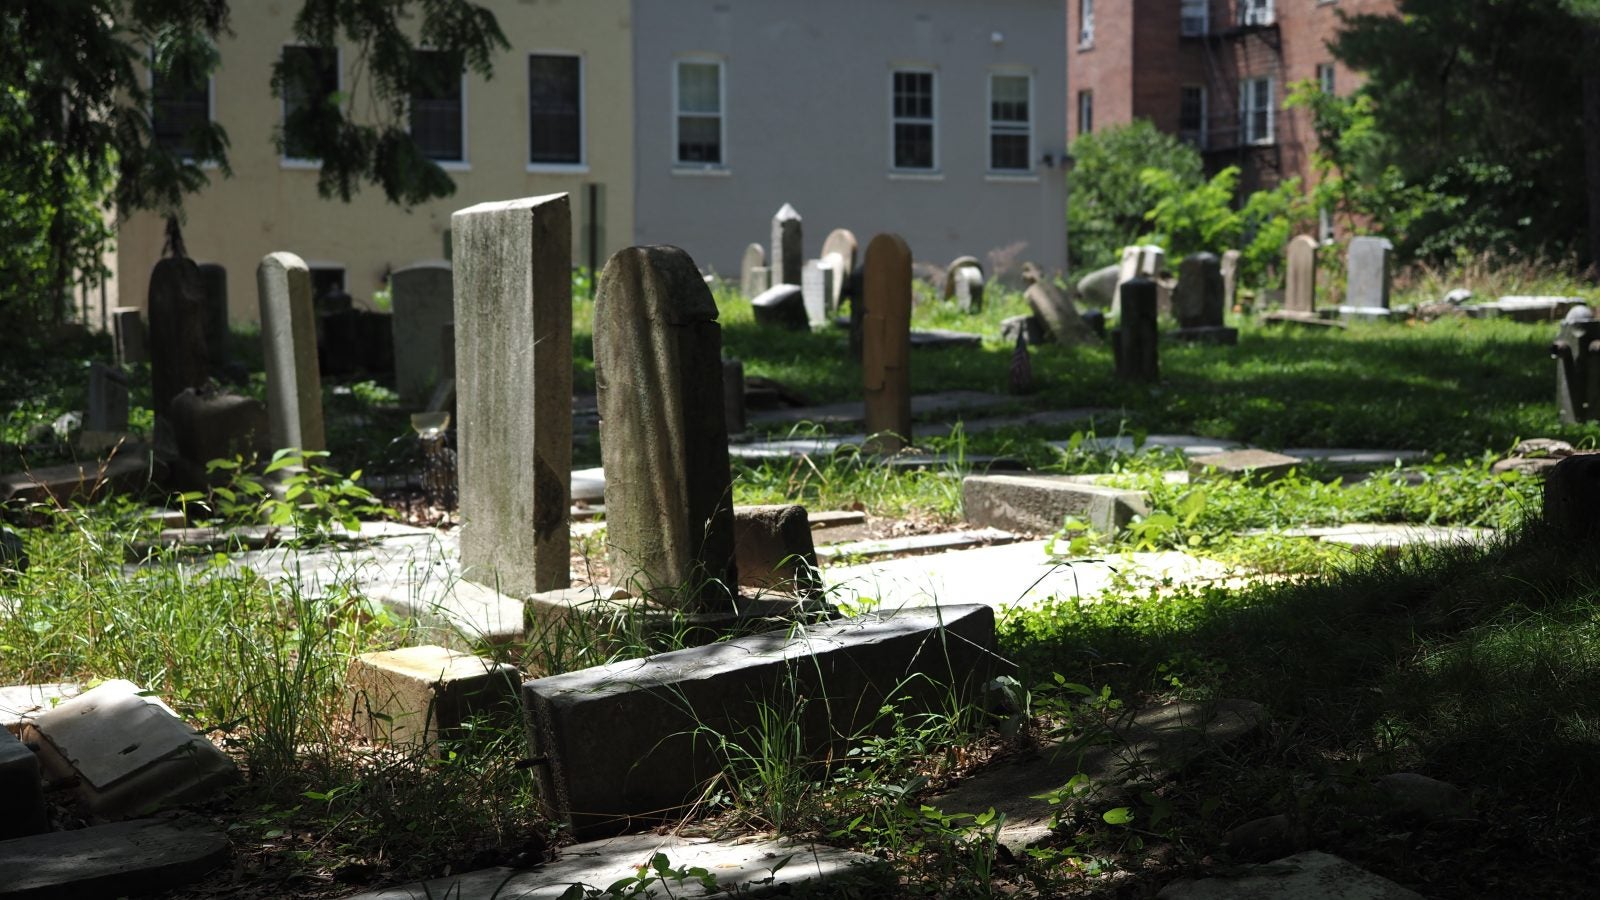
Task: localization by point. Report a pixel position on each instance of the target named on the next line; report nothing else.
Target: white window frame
(702, 59)
(1189, 23)
(1256, 12)
(933, 121)
(464, 164)
(1248, 111)
(1085, 24)
(1325, 77)
(211, 103)
(1008, 127)
(582, 165)
(1085, 100)
(1202, 137)
(296, 162)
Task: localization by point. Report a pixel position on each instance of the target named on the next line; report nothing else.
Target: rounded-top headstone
(843, 242)
(956, 265)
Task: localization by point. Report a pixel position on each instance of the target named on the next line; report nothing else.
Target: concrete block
(23, 789)
(106, 861)
(1256, 465)
(1039, 503)
(421, 695)
(773, 549)
(130, 753)
(637, 740)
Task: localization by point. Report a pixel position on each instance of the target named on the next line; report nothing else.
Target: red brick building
(1213, 72)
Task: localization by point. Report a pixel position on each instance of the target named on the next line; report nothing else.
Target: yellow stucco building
(556, 117)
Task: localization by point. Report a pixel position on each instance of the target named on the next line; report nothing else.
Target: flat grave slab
(914, 544)
(105, 861)
(748, 868)
(1007, 575)
(944, 339)
(854, 411)
(1524, 309)
(1188, 444)
(1040, 503)
(1312, 875)
(1390, 536)
(1341, 457)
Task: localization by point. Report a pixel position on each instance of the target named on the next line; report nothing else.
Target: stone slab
(1383, 535)
(914, 544)
(22, 789)
(105, 861)
(76, 481)
(1149, 744)
(421, 695)
(456, 614)
(1341, 457)
(852, 412)
(635, 741)
(19, 703)
(1038, 504)
(753, 868)
(1187, 444)
(836, 518)
(944, 339)
(129, 752)
(1312, 875)
(1249, 463)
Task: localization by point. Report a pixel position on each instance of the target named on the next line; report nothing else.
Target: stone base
(420, 695)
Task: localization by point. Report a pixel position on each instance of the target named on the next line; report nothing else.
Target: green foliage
(1108, 193)
(318, 502)
(1204, 218)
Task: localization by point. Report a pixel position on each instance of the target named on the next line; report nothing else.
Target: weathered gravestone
(952, 273)
(841, 242)
(1368, 273)
(108, 400)
(1198, 302)
(1058, 314)
(513, 327)
(214, 309)
(1138, 261)
(128, 332)
(663, 430)
(733, 394)
(969, 289)
(1099, 288)
(1300, 294)
(788, 254)
(289, 348)
(178, 356)
(781, 306)
(423, 302)
(1230, 278)
(753, 272)
(1576, 351)
(816, 290)
(1134, 342)
(886, 342)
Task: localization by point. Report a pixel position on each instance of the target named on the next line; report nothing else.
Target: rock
(1260, 840)
(1099, 288)
(773, 549)
(421, 695)
(144, 856)
(1536, 457)
(1572, 495)
(1305, 876)
(1409, 793)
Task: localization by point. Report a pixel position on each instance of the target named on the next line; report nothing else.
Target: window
(438, 120)
(1256, 111)
(177, 110)
(310, 83)
(326, 281)
(1085, 112)
(1325, 77)
(555, 110)
(1255, 12)
(698, 124)
(1085, 23)
(1192, 115)
(913, 121)
(1196, 17)
(1010, 123)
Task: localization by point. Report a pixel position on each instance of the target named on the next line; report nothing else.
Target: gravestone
(108, 400)
(1576, 350)
(1058, 314)
(816, 289)
(954, 269)
(1138, 261)
(214, 309)
(969, 289)
(1099, 288)
(178, 356)
(289, 349)
(886, 342)
(128, 332)
(1300, 293)
(781, 306)
(840, 242)
(1230, 278)
(663, 430)
(733, 394)
(1135, 342)
(1198, 301)
(513, 327)
(218, 426)
(1368, 273)
(788, 253)
(423, 301)
(753, 262)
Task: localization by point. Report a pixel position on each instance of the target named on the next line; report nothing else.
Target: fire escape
(1243, 124)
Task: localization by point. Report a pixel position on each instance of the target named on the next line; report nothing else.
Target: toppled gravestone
(638, 740)
(1038, 504)
(145, 856)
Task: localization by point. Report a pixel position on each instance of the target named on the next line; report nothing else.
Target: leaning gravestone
(1057, 313)
(840, 241)
(214, 309)
(753, 271)
(1135, 344)
(513, 327)
(663, 430)
(289, 348)
(1300, 294)
(178, 356)
(781, 306)
(816, 290)
(886, 342)
(788, 254)
(1368, 273)
(423, 299)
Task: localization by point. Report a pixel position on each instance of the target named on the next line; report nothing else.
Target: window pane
(1009, 151)
(436, 105)
(913, 145)
(175, 111)
(1009, 98)
(699, 90)
(311, 78)
(700, 139)
(913, 95)
(555, 119)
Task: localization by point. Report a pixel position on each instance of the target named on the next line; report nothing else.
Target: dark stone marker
(663, 430)
(1572, 496)
(1198, 300)
(733, 394)
(886, 342)
(1576, 351)
(178, 356)
(775, 550)
(1135, 343)
(781, 306)
(214, 307)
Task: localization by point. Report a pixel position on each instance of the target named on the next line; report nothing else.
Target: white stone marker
(289, 346)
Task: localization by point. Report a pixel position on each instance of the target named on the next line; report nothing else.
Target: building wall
(1104, 65)
(269, 205)
(807, 106)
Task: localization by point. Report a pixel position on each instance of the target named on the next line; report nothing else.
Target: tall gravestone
(1136, 340)
(128, 332)
(753, 271)
(178, 357)
(1368, 273)
(1230, 278)
(886, 341)
(663, 430)
(214, 309)
(840, 243)
(289, 349)
(1198, 300)
(513, 363)
(788, 253)
(816, 287)
(423, 301)
(1300, 290)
